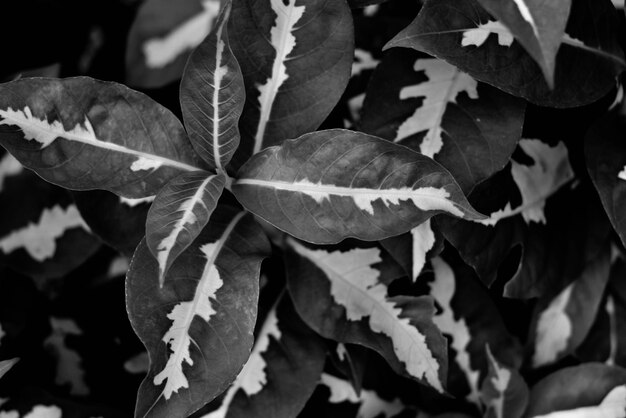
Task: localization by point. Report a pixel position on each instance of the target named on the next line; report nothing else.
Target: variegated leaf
(371, 405)
(567, 393)
(162, 36)
(563, 320)
(503, 392)
(330, 185)
(459, 31)
(198, 326)
(6, 365)
(212, 96)
(432, 107)
(296, 57)
(179, 213)
(83, 134)
(539, 26)
(342, 296)
(282, 371)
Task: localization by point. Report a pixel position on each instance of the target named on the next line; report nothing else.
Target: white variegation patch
(500, 382)
(478, 36)
(371, 10)
(424, 198)
(2, 334)
(355, 286)
(252, 378)
(363, 61)
(619, 4)
(422, 240)
(612, 406)
(355, 104)
(9, 166)
(622, 174)
(342, 352)
(551, 171)
(442, 290)
(528, 17)
(371, 405)
(283, 41)
(39, 239)
(445, 82)
(45, 133)
(159, 52)
(218, 77)
(38, 411)
(182, 315)
(136, 202)
(69, 369)
(613, 336)
(188, 217)
(138, 364)
(554, 329)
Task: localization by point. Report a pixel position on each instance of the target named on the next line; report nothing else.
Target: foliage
(356, 208)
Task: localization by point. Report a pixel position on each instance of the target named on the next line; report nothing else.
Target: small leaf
(341, 296)
(503, 392)
(376, 189)
(296, 58)
(6, 365)
(212, 96)
(179, 213)
(538, 26)
(458, 31)
(76, 132)
(198, 326)
(162, 36)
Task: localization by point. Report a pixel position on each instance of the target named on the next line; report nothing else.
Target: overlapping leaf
(539, 26)
(503, 391)
(198, 326)
(432, 107)
(162, 36)
(463, 34)
(330, 185)
(342, 296)
(179, 213)
(6, 365)
(82, 134)
(212, 96)
(295, 57)
(285, 366)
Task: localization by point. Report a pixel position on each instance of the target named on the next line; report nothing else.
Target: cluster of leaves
(355, 208)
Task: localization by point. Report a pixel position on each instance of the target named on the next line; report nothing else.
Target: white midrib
(180, 224)
(191, 313)
(105, 145)
(216, 95)
(266, 106)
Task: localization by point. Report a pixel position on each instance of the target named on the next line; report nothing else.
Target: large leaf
(296, 57)
(198, 326)
(432, 107)
(538, 25)
(82, 134)
(330, 185)
(179, 213)
(566, 392)
(162, 36)
(458, 31)
(285, 366)
(342, 296)
(212, 96)
(605, 152)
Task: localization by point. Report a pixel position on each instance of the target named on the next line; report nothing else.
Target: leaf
(198, 326)
(568, 389)
(162, 37)
(342, 297)
(371, 405)
(69, 367)
(296, 61)
(605, 154)
(564, 320)
(430, 106)
(212, 96)
(458, 31)
(76, 132)
(282, 371)
(503, 391)
(538, 26)
(6, 365)
(179, 213)
(330, 185)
